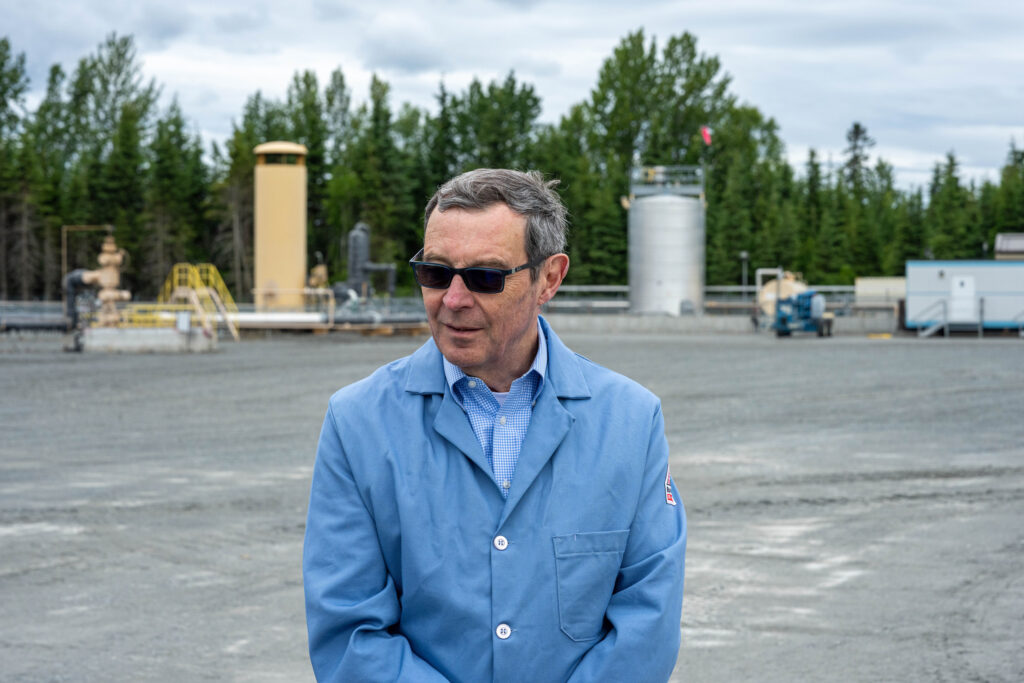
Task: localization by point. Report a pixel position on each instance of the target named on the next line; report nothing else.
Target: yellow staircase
(202, 288)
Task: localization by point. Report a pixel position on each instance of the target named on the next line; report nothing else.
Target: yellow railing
(181, 275)
(203, 288)
(204, 278)
(196, 290)
(210, 277)
(157, 315)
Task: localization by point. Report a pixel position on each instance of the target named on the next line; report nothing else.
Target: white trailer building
(965, 295)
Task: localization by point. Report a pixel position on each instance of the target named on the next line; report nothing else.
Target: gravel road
(856, 506)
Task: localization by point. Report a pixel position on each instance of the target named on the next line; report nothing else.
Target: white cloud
(923, 77)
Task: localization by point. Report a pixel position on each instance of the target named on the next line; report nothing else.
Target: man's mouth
(460, 328)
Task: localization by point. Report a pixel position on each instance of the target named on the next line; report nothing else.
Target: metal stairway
(203, 288)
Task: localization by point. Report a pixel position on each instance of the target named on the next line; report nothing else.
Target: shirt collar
(454, 373)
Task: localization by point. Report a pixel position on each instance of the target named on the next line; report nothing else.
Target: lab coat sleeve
(644, 610)
(352, 606)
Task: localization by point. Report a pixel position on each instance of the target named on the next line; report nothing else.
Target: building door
(963, 302)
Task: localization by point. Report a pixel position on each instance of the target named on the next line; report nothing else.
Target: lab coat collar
(564, 376)
(549, 424)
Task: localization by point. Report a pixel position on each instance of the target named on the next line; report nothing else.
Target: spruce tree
(306, 107)
(13, 84)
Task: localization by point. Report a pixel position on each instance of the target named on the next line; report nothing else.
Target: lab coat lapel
(452, 424)
(548, 427)
(426, 376)
(550, 422)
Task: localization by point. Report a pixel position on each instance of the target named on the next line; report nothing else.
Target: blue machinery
(787, 306)
(803, 312)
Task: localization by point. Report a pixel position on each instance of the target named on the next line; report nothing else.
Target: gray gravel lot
(856, 505)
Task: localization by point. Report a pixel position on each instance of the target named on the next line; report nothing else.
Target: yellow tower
(280, 225)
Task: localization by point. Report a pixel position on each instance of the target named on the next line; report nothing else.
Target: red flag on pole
(705, 133)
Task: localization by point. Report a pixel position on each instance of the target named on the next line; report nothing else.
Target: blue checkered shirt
(500, 428)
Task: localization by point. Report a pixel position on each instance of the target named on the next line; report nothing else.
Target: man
(493, 507)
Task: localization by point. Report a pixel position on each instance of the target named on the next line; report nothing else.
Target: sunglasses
(477, 278)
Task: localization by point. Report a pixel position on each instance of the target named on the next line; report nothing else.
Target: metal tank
(279, 205)
(666, 254)
(783, 286)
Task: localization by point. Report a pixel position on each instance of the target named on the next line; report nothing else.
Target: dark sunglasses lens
(435, 277)
(484, 280)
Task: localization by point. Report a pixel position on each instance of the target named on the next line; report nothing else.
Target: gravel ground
(855, 505)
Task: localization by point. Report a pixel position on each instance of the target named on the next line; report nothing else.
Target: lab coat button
(503, 631)
(500, 542)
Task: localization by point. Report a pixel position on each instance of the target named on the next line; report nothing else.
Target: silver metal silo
(666, 249)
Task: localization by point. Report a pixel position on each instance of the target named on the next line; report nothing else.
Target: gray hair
(526, 193)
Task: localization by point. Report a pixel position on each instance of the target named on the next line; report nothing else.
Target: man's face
(490, 336)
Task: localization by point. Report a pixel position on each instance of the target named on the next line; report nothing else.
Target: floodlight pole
(744, 257)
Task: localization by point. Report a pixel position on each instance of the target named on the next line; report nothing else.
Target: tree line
(98, 149)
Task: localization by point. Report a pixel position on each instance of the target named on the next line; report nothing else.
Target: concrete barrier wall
(870, 322)
(147, 340)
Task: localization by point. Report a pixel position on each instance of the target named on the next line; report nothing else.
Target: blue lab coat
(417, 569)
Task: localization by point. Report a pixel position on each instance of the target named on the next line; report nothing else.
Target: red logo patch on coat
(669, 498)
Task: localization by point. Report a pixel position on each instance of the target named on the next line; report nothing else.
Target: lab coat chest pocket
(586, 565)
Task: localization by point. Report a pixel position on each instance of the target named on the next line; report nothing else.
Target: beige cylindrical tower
(280, 225)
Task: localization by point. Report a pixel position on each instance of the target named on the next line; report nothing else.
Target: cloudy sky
(925, 78)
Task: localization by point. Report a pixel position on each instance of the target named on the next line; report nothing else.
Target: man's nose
(458, 296)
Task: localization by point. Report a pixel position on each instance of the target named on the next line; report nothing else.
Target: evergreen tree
(649, 110)
(339, 181)
(121, 190)
(619, 114)
(809, 216)
(1010, 211)
(563, 152)
(988, 217)
(104, 124)
(597, 238)
(175, 197)
(909, 239)
(730, 228)
(442, 142)
(495, 125)
(856, 170)
(338, 115)
(882, 212)
(948, 213)
(51, 148)
(749, 185)
(411, 139)
(262, 121)
(13, 84)
(96, 150)
(690, 91)
(24, 245)
(372, 189)
(309, 126)
(620, 106)
(860, 229)
(833, 254)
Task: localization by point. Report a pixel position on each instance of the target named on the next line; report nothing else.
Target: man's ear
(552, 272)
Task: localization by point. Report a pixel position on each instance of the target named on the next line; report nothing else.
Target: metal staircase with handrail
(942, 323)
(203, 288)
